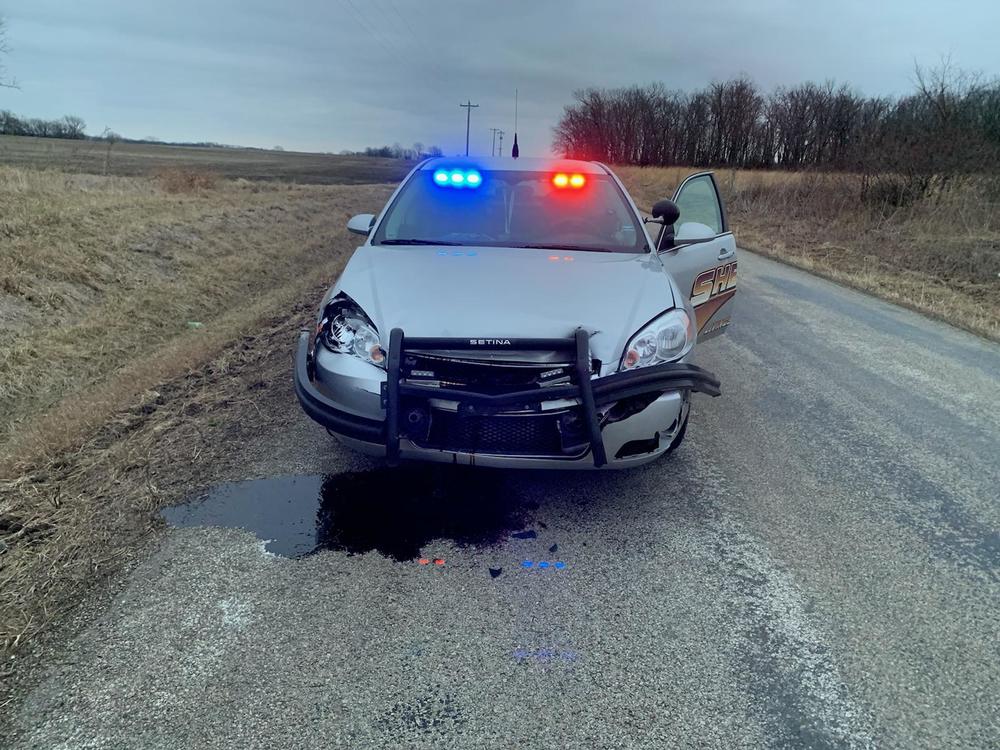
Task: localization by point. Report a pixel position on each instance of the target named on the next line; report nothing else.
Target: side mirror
(691, 232)
(666, 212)
(361, 224)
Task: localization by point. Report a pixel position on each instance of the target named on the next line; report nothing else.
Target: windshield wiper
(418, 242)
(568, 247)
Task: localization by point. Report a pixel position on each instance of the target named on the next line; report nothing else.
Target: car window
(699, 202)
(514, 209)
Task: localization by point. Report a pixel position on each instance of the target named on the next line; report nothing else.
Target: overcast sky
(325, 75)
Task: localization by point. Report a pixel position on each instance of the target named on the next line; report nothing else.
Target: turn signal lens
(577, 181)
(560, 180)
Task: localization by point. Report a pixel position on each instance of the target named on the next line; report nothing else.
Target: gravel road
(818, 566)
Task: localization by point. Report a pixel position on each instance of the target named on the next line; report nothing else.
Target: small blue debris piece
(527, 564)
(560, 565)
(543, 564)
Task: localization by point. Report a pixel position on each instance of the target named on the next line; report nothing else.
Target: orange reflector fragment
(423, 561)
(438, 561)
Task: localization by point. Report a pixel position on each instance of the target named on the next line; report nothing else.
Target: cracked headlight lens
(346, 329)
(665, 339)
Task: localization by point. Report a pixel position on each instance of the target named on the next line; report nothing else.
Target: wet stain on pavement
(394, 512)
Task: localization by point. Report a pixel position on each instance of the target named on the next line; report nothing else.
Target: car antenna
(515, 152)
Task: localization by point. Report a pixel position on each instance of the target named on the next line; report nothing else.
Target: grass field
(940, 256)
(143, 311)
(141, 159)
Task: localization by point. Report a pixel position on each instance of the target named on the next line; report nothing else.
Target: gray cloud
(333, 74)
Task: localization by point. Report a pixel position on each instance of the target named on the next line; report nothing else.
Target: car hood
(491, 292)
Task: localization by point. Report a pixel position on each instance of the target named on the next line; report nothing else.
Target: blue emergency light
(458, 178)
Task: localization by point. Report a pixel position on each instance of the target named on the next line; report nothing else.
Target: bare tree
(5, 82)
(112, 138)
(72, 127)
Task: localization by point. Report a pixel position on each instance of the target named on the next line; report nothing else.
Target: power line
(405, 22)
(394, 25)
(365, 26)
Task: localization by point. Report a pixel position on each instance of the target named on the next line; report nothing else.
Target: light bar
(562, 180)
(458, 178)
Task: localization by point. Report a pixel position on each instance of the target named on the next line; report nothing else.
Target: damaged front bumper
(610, 414)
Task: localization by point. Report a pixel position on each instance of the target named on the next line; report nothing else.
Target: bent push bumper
(589, 393)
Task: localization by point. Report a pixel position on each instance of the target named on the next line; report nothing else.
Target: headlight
(665, 339)
(347, 330)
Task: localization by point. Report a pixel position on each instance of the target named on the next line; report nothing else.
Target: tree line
(950, 124)
(69, 126)
(396, 151)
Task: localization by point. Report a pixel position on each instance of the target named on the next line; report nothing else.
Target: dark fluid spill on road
(395, 512)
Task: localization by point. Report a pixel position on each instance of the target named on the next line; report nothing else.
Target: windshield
(513, 209)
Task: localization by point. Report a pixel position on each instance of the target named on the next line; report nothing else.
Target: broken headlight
(345, 329)
(664, 339)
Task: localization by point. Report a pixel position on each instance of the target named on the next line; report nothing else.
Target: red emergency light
(562, 180)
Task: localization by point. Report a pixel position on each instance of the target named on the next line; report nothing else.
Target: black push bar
(591, 393)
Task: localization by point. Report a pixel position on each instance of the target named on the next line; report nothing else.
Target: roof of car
(497, 163)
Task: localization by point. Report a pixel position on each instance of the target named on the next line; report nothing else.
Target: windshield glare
(513, 209)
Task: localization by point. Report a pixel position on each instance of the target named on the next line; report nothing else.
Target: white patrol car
(520, 313)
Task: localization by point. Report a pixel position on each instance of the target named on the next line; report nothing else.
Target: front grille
(531, 435)
(465, 431)
(484, 377)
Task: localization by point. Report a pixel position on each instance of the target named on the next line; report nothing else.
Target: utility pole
(468, 119)
(500, 134)
(493, 146)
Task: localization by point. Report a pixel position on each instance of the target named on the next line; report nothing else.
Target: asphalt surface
(818, 566)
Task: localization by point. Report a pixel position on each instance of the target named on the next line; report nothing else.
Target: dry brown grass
(101, 277)
(186, 180)
(108, 397)
(940, 256)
